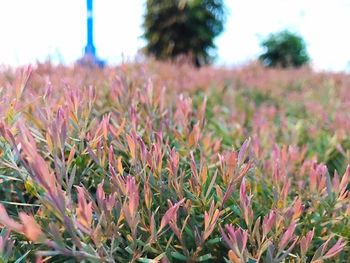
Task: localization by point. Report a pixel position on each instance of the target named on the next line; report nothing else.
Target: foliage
(193, 165)
(284, 49)
(183, 27)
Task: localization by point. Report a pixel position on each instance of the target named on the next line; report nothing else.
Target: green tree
(183, 27)
(284, 49)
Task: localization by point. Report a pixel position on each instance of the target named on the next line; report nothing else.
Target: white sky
(33, 30)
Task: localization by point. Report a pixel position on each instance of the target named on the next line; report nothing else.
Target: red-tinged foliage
(151, 162)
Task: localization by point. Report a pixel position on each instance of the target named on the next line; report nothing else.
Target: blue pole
(89, 57)
(90, 48)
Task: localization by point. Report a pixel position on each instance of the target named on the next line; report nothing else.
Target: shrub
(110, 166)
(183, 27)
(284, 49)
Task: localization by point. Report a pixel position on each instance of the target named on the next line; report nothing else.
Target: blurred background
(40, 30)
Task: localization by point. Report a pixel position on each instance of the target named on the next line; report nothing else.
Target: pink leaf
(170, 214)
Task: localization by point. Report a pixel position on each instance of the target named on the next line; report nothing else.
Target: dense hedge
(165, 163)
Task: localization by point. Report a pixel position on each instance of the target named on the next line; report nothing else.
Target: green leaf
(148, 260)
(19, 260)
(205, 257)
(178, 256)
(214, 241)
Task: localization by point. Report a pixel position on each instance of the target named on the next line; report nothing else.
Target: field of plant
(151, 162)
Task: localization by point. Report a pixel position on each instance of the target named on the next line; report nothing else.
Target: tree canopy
(183, 27)
(284, 49)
